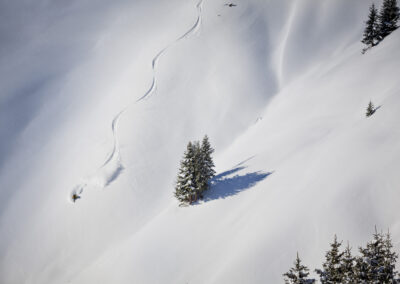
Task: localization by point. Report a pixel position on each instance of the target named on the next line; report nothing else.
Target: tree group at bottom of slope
(375, 264)
(195, 172)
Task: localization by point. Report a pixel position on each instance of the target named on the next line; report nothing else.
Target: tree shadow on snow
(222, 187)
(378, 107)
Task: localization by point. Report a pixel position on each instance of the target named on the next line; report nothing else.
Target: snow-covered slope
(101, 99)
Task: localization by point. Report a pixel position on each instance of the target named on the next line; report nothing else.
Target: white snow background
(101, 98)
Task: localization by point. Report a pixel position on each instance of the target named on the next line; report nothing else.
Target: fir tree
(370, 266)
(332, 268)
(388, 17)
(196, 170)
(298, 274)
(388, 273)
(370, 109)
(207, 165)
(347, 267)
(371, 32)
(185, 189)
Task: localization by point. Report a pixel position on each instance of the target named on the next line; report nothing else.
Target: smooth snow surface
(101, 97)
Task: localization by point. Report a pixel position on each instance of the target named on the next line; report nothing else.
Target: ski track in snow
(112, 167)
(283, 45)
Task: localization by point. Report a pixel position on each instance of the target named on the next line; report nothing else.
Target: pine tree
(332, 268)
(371, 32)
(347, 267)
(388, 17)
(298, 274)
(361, 268)
(370, 109)
(185, 189)
(198, 169)
(371, 264)
(207, 171)
(388, 274)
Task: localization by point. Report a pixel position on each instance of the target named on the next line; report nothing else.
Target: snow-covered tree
(347, 266)
(388, 274)
(298, 274)
(371, 260)
(196, 170)
(371, 32)
(377, 261)
(186, 189)
(388, 17)
(207, 171)
(370, 109)
(332, 272)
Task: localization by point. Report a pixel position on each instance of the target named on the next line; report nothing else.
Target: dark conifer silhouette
(388, 17)
(207, 171)
(195, 173)
(370, 109)
(371, 33)
(347, 266)
(376, 264)
(298, 274)
(185, 189)
(332, 268)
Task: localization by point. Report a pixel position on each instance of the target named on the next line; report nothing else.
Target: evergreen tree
(370, 266)
(196, 170)
(207, 171)
(388, 274)
(298, 274)
(371, 32)
(185, 189)
(332, 268)
(347, 267)
(370, 109)
(388, 17)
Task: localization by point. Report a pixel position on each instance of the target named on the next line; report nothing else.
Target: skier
(75, 197)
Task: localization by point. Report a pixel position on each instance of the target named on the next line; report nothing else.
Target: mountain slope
(281, 88)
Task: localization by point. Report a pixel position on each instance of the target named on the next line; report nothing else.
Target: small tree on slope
(370, 109)
(185, 189)
(371, 32)
(388, 17)
(198, 168)
(207, 171)
(298, 274)
(332, 268)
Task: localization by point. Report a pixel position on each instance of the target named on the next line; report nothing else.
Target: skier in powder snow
(75, 197)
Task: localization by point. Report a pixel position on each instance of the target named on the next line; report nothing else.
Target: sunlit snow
(100, 98)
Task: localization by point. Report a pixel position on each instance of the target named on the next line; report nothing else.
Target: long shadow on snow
(222, 187)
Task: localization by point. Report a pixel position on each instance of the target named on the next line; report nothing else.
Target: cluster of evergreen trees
(196, 171)
(375, 264)
(380, 25)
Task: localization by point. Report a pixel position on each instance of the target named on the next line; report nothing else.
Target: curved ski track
(114, 158)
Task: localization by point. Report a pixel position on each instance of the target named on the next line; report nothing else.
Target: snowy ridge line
(112, 166)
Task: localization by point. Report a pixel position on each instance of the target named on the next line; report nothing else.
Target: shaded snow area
(99, 99)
